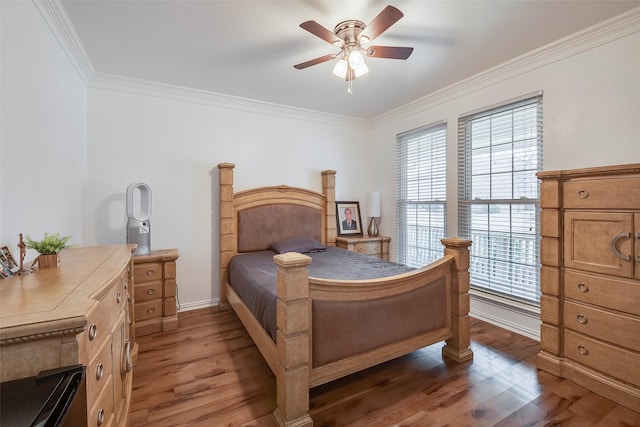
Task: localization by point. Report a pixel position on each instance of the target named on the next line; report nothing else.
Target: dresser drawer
(612, 193)
(148, 291)
(368, 248)
(605, 325)
(100, 319)
(99, 371)
(101, 413)
(609, 359)
(618, 294)
(147, 272)
(148, 310)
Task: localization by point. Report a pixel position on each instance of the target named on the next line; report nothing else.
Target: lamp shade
(374, 204)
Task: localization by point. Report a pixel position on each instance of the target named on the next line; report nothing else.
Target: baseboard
(501, 312)
(198, 305)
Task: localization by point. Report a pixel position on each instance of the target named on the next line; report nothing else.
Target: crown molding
(597, 35)
(190, 95)
(60, 25)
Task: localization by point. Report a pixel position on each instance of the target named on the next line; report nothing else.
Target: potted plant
(49, 249)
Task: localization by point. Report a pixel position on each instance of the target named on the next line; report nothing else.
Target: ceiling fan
(351, 36)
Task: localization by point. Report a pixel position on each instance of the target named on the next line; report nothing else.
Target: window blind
(500, 151)
(421, 194)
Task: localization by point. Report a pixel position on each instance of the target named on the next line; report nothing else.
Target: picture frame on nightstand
(348, 219)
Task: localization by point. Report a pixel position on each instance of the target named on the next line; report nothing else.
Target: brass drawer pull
(126, 284)
(99, 371)
(583, 194)
(583, 350)
(127, 357)
(582, 287)
(638, 237)
(150, 310)
(151, 272)
(581, 319)
(151, 291)
(118, 297)
(93, 331)
(100, 417)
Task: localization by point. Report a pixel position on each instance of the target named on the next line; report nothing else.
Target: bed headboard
(252, 219)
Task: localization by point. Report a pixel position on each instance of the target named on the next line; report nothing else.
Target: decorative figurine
(23, 252)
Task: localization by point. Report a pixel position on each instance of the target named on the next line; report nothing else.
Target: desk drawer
(100, 319)
(99, 371)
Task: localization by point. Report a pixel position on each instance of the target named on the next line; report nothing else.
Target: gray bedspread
(253, 276)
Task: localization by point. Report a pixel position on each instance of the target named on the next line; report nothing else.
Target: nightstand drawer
(147, 272)
(148, 310)
(368, 248)
(148, 291)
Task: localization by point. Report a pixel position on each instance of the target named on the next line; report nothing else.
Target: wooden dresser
(590, 279)
(77, 313)
(155, 291)
(375, 246)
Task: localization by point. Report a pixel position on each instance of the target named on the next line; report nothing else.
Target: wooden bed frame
(290, 358)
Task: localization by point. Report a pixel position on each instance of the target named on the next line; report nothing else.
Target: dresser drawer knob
(118, 297)
(582, 287)
(151, 272)
(100, 417)
(151, 291)
(99, 371)
(126, 283)
(150, 310)
(583, 194)
(583, 350)
(582, 319)
(93, 331)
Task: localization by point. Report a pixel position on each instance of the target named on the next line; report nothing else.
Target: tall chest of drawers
(155, 291)
(590, 279)
(77, 313)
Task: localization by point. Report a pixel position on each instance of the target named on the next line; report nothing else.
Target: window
(421, 194)
(500, 151)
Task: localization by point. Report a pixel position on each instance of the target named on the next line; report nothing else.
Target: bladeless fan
(139, 212)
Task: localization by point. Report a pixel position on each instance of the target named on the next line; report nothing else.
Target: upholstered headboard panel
(259, 226)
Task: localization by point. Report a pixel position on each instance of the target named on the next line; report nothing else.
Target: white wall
(42, 174)
(591, 96)
(174, 146)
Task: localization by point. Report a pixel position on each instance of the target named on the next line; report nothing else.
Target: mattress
(253, 276)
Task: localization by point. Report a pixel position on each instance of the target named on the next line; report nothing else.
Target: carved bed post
(227, 236)
(293, 341)
(329, 191)
(458, 346)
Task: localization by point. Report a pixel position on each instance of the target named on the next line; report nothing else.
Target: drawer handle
(582, 319)
(151, 272)
(93, 331)
(151, 291)
(583, 350)
(582, 287)
(127, 357)
(118, 297)
(583, 194)
(150, 310)
(638, 237)
(126, 283)
(99, 371)
(100, 417)
(615, 251)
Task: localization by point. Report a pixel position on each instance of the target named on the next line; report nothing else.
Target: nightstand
(375, 246)
(155, 291)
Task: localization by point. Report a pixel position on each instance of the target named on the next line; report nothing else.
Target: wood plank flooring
(209, 373)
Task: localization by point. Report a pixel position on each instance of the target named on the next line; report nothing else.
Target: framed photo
(7, 258)
(348, 219)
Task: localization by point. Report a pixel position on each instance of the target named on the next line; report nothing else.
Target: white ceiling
(248, 48)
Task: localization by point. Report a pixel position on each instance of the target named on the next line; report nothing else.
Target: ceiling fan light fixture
(340, 69)
(357, 64)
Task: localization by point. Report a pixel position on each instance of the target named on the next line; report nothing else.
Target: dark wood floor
(209, 373)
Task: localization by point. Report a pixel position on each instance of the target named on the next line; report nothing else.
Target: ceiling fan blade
(391, 52)
(318, 30)
(315, 61)
(389, 16)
